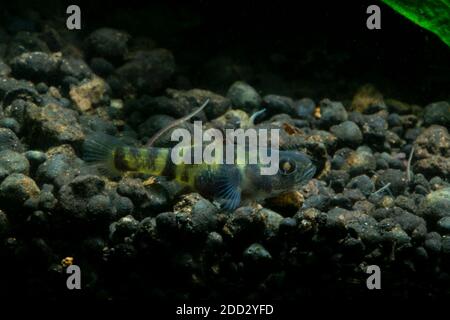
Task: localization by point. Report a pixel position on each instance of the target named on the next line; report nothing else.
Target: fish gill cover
(433, 15)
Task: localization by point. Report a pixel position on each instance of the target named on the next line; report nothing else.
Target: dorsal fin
(175, 123)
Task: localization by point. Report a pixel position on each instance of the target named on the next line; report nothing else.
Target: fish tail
(99, 151)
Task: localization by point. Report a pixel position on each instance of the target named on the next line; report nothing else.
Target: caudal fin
(99, 150)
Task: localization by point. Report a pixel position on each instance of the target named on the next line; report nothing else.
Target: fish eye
(287, 166)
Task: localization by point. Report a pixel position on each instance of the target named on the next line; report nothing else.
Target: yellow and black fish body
(229, 184)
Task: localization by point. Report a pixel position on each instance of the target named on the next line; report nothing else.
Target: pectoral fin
(229, 188)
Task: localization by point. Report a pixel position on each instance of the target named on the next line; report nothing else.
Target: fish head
(294, 170)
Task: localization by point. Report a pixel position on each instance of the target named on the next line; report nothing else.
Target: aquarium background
(315, 67)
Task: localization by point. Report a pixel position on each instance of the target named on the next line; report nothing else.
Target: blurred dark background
(313, 48)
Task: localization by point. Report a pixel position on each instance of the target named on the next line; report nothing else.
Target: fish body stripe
(154, 161)
(157, 161)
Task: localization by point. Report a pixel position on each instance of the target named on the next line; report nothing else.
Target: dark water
(313, 48)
